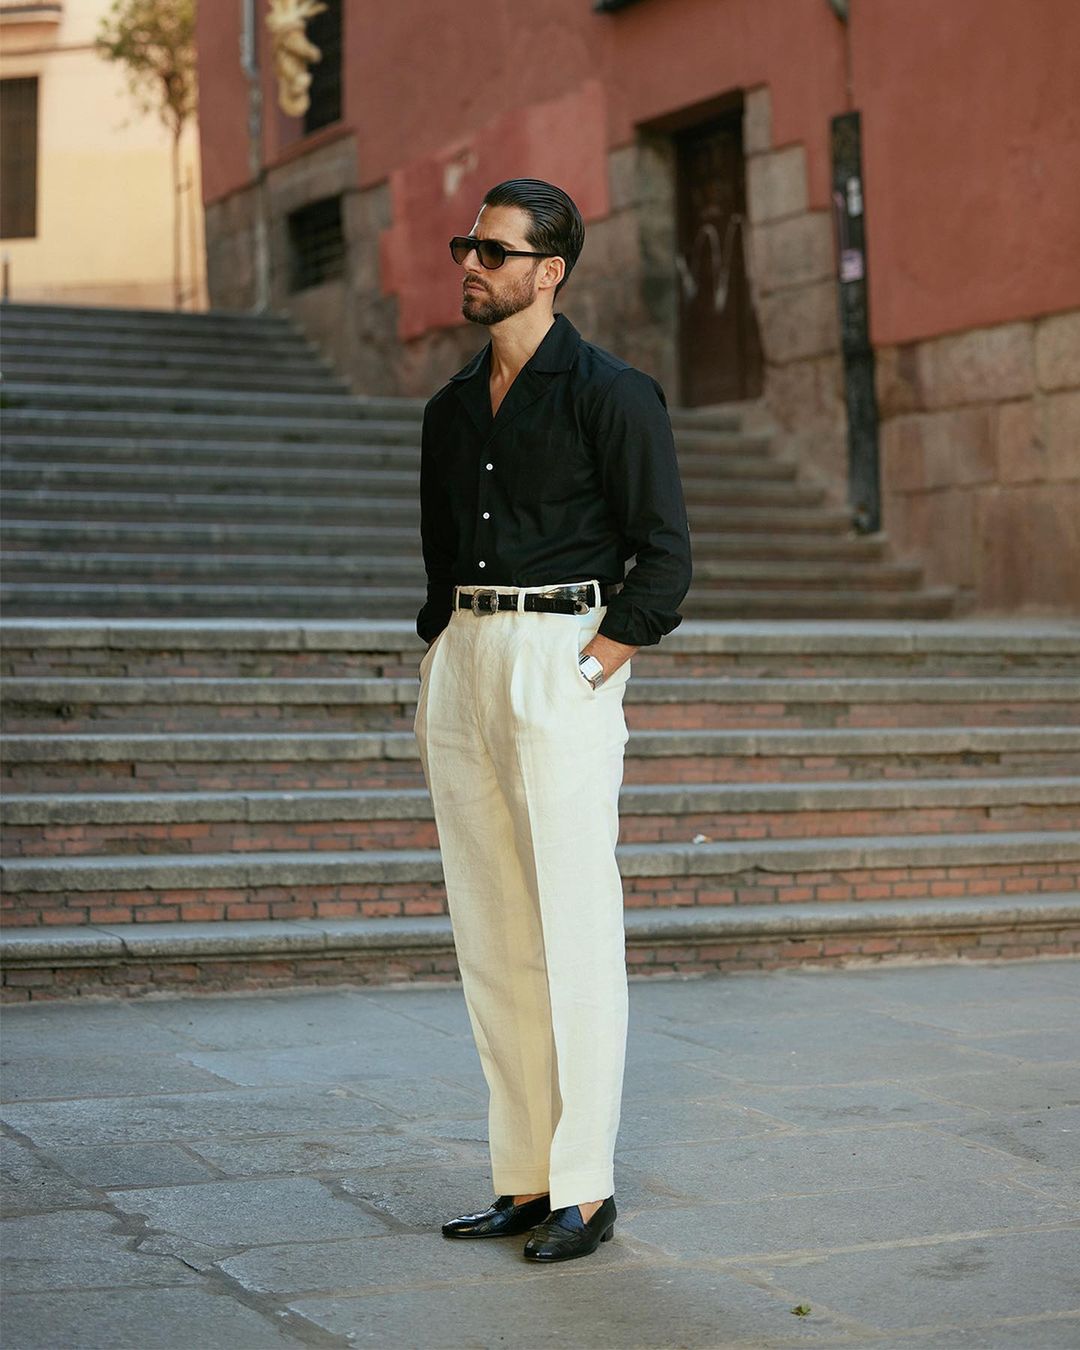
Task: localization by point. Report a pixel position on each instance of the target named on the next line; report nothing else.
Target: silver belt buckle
(480, 598)
(582, 597)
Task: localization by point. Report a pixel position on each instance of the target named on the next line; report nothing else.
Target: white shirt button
(487, 515)
(481, 564)
(489, 466)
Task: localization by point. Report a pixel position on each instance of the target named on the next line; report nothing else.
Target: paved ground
(884, 1157)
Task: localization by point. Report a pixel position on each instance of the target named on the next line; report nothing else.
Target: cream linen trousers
(524, 761)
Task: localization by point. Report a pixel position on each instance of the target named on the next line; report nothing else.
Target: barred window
(316, 244)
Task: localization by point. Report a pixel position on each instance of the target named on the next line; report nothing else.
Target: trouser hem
(519, 1183)
(579, 1187)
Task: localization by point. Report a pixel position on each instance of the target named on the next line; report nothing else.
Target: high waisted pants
(524, 762)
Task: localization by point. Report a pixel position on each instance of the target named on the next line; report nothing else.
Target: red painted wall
(971, 127)
(223, 100)
(971, 124)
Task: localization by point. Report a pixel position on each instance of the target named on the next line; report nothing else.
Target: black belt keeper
(556, 600)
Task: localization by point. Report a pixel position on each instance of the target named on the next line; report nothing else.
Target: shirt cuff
(435, 614)
(635, 626)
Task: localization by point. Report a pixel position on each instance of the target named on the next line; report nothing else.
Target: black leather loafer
(564, 1234)
(502, 1219)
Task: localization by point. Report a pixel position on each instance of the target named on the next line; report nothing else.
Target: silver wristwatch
(591, 669)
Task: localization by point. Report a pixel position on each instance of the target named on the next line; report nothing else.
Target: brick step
(824, 650)
(85, 703)
(137, 958)
(195, 402)
(263, 760)
(737, 457)
(28, 566)
(147, 823)
(284, 885)
(315, 481)
(60, 370)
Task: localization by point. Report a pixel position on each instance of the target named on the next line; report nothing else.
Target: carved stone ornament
(293, 53)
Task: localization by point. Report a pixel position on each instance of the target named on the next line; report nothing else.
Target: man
(546, 463)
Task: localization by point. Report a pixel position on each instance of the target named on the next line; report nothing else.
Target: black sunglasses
(491, 253)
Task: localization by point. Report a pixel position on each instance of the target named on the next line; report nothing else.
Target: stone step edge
(228, 940)
(380, 690)
(800, 636)
(142, 871)
(301, 747)
(395, 804)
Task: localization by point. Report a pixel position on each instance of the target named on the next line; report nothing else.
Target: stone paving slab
(884, 1158)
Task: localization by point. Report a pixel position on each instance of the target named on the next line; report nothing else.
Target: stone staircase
(221, 803)
(209, 677)
(210, 465)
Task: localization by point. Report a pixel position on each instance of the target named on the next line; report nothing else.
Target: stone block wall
(790, 258)
(980, 448)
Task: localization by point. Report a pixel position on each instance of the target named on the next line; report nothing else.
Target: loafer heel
(564, 1234)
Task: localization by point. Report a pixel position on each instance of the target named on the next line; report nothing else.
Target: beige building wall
(104, 212)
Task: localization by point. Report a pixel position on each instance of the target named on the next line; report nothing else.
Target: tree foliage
(155, 42)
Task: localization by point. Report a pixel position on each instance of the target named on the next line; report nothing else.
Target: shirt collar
(556, 351)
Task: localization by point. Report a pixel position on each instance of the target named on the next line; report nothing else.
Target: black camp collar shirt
(575, 474)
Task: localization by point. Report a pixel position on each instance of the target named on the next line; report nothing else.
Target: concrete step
(130, 351)
(287, 885)
(86, 703)
(287, 347)
(705, 421)
(343, 542)
(927, 603)
(734, 461)
(116, 957)
(369, 569)
(22, 318)
(131, 356)
(195, 402)
(318, 601)
(315, 479)
(190, 823)
(250, 430)
(199, 537)
(102, 504)
(36, 448)
(58, 372)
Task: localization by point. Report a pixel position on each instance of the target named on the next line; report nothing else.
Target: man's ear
(551, 273)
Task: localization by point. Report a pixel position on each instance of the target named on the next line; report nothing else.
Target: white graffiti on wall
(719, 255)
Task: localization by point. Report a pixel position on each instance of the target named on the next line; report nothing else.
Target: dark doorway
(719, 343)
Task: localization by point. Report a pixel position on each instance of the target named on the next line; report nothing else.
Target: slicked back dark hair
(556, 225)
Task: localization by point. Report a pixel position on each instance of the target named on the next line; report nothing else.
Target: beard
(488, 309)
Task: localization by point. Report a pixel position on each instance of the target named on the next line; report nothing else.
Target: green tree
(154, 40)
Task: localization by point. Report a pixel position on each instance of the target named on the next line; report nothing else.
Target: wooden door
(719, 344)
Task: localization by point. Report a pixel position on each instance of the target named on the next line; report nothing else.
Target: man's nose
(472, 262)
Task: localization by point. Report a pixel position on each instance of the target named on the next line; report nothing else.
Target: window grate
(18, 157)
(316, 244)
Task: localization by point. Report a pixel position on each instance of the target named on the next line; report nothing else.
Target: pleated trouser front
(524, 762)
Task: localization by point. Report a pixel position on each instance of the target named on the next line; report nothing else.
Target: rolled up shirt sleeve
(643, 490)
(437, 543)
